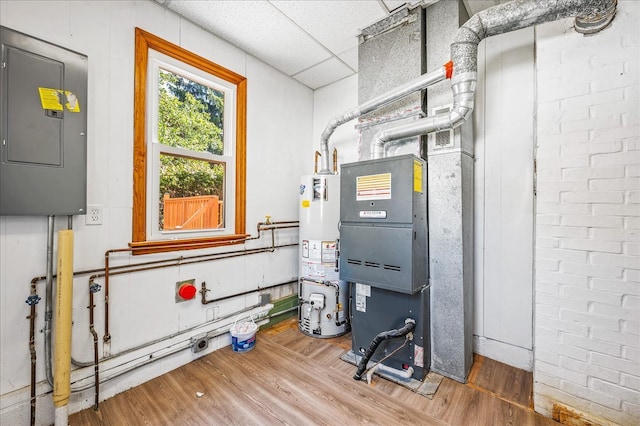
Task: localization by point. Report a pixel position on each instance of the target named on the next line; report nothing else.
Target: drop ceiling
(313, 41)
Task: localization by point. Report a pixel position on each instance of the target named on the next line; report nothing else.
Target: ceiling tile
(335, 24)
(324, 73)
(350, 57)
(258, 28)
(395, 4)
(475, 6)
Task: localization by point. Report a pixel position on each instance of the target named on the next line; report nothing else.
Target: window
(189, 149)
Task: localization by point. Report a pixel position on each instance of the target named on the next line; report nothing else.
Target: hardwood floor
(293, 379)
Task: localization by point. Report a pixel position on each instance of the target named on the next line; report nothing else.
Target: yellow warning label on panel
(53, 99)
(373, 187)
(417, 176)
(50, 98)
(305, 204)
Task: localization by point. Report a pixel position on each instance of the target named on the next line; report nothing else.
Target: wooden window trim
(143, 42)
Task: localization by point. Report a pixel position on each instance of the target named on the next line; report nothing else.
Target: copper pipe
(92, 329)
(132, 268)
(261, 226)
(335, 161)
(107, 336)
(315, 162)
(204, 290)
(211, 257)
(32, 301)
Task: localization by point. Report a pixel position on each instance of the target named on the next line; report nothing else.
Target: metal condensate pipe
(591, 16)
(48, 301)
(64, 308)
(386, 98)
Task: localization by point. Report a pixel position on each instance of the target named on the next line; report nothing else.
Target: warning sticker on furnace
(373, 187)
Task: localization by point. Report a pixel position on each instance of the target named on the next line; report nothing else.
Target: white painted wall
(328, 102)
(503, 191)
(587, 288)
(279, 135)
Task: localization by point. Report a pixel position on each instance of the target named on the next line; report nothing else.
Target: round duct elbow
(598, 19)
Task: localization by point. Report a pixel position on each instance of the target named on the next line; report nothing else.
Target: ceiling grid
(312, 41)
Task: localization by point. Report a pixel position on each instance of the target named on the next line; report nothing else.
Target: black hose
(409, 325)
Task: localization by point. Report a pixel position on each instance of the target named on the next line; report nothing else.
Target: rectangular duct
(391, 53)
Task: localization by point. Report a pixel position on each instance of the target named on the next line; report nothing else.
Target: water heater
(323, 297)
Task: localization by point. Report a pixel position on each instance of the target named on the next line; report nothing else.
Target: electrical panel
(43, 127)
(383, 216)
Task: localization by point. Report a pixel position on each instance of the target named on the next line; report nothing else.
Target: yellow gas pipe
(62, 334)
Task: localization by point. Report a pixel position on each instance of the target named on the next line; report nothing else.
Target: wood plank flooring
(292, 379)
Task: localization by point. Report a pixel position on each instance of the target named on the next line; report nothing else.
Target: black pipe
(409, 325)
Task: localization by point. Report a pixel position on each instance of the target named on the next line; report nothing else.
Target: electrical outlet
(94, 215)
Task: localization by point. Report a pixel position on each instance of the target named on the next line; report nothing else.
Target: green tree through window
(189, 117)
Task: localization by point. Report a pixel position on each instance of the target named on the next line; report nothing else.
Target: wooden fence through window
(199, 212)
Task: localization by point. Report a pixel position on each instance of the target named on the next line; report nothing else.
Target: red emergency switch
(187, 291)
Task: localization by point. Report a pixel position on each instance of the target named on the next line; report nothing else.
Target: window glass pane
(190, 114)
(191, 194)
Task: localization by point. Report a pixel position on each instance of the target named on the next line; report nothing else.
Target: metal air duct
(386, 98)
(591, 16)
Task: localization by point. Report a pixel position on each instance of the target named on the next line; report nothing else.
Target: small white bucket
(243, 335)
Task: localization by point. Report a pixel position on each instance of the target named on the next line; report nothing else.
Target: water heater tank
(319, 271)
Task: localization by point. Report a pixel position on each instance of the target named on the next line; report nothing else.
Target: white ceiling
(313, 41)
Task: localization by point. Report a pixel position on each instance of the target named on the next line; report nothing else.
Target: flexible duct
(386, 98)
(409, 325)
(62, 348)
(591, 16)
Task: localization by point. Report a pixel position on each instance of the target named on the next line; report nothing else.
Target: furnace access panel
(383, 217)
(43, 127)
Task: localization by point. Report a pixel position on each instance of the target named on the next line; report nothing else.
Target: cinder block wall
(587, 285)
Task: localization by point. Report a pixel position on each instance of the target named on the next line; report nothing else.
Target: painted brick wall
(587, 285)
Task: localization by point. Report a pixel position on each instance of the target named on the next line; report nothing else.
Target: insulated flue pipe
(386, 98)
(62, 348)
(591, 16)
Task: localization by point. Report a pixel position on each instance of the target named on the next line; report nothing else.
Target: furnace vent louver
(443, 138)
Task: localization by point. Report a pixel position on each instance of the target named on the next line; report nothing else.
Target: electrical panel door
(43, 127)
